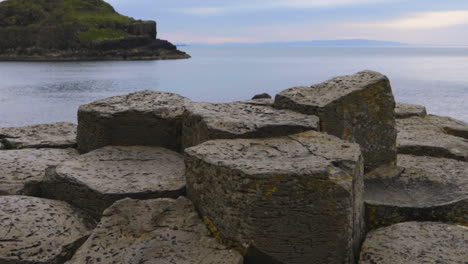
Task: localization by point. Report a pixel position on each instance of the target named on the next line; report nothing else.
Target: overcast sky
(439, 22)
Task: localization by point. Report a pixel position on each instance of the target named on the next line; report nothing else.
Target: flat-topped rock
(422, 189)
(358, 108)
(418, 136)
(56, 135)
(206, 121)
(39, 231)
(274, 198)
(153, 231)
(97, 179)
(146, 118)
(403, 110)
(22, 170)
(415, 243)
(261, 96)
(450, 125)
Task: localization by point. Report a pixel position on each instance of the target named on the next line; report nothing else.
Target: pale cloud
(270, 4)
(423, 21)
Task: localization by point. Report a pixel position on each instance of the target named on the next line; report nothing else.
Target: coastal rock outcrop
(294, 199)
(22, 170)
(207, 121)
(358, 108)
(56, 135)
(95, 180)
(147, 118)
(77, 30)
(420, 189)
(34, 230)
(416, 242)
(450, 125)
(153, 231)
(403, 110)
(419, 136)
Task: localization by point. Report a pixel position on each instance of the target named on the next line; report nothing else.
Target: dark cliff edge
(62, 30)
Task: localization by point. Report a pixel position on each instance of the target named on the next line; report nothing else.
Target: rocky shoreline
(332, 173)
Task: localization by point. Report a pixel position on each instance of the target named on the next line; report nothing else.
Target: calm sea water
(32, 93)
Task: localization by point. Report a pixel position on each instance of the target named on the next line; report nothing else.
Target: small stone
(416, 242)
(56, 135)
(358, 108)
(23, 170)
(418, 136)
(450, 125)
(146, 118)
(275, 198)
(420, 189)
(34, 230)
(261, 96)
(403, 110)
(153, 231)
(95, 180)
(207, 121)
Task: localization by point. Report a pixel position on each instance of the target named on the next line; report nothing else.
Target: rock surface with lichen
(273, 198)
(358, 108)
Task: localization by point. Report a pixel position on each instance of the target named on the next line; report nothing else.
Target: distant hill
(314, 43)
(74, 30)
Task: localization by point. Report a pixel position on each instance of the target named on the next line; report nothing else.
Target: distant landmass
(77, 30)
(312, 43)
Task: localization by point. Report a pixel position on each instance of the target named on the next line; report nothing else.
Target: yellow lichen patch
(271, 191)
(212, 228)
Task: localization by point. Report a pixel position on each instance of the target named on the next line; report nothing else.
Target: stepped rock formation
(419, 136)
(57, 135)
(97, 179)
(416, 242)
(77, 30)
(34, 230)
(277, 196)
(22, 170)
(153, 231)
(207, 121)
(422, 189)
(359, 108)
(143, 118)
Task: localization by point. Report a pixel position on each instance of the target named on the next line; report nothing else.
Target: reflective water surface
(41, 92)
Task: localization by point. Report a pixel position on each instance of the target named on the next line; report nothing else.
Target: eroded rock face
(418, 136)
(450, 125)
(97, 179)
(56, 135)
(153, 231)
(22, 170)
(206, 121)
(421, 189)
(403, 110)
(416, 242)
(34, 230)
(143, 118)
(359, 108)
(275, 198)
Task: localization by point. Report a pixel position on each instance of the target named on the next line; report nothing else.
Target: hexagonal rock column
(403, 110)
(252, 119)
(416, 242)
(97, 179)
(450, 125)
(153, 231)
(419, 136)
(34, 230)
(56, 135)
(359, 108)
(294, 199)
(424, 189)
(146, 118)
(22, 170)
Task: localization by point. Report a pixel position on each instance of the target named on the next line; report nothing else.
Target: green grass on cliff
(98, 18)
